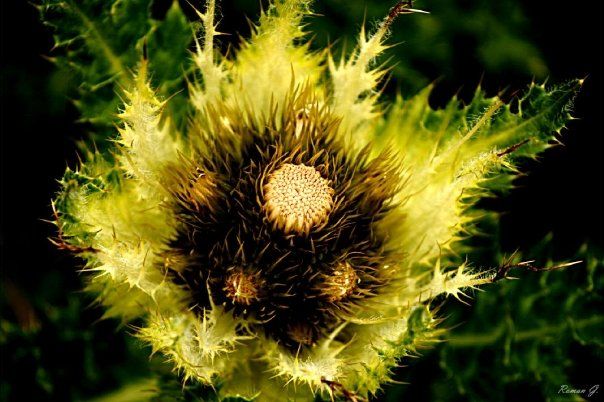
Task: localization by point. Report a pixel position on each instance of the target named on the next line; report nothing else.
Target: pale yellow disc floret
(297, 198)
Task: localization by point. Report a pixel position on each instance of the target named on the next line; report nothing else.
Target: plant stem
(471, 340)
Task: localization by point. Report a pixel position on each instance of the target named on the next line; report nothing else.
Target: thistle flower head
(292, 235)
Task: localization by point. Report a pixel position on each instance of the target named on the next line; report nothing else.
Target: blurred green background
(518, 341)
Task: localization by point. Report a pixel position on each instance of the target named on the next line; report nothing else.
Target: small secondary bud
(242, 288)
(340, 283)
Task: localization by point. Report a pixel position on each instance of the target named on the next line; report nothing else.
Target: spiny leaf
(523, 333)
(458, 154)
(542, 113)
(101, 42)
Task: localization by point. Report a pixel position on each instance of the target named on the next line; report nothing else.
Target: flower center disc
(297, 198)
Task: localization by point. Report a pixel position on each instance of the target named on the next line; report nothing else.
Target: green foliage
(529, 123)
(101, 42)
(55, 349)
(521, 338)
(492, 36)
(478, 144)
(528, 335)
(537, 116)
(97, 43)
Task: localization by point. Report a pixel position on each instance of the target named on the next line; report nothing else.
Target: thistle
(289, 240)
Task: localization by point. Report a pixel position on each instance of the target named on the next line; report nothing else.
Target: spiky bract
(260, 300)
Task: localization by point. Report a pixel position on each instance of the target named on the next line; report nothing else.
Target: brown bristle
(198, 192)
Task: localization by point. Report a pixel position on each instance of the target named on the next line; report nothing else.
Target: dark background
(562, 194)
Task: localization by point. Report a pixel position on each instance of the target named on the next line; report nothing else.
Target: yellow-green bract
(117, 211)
